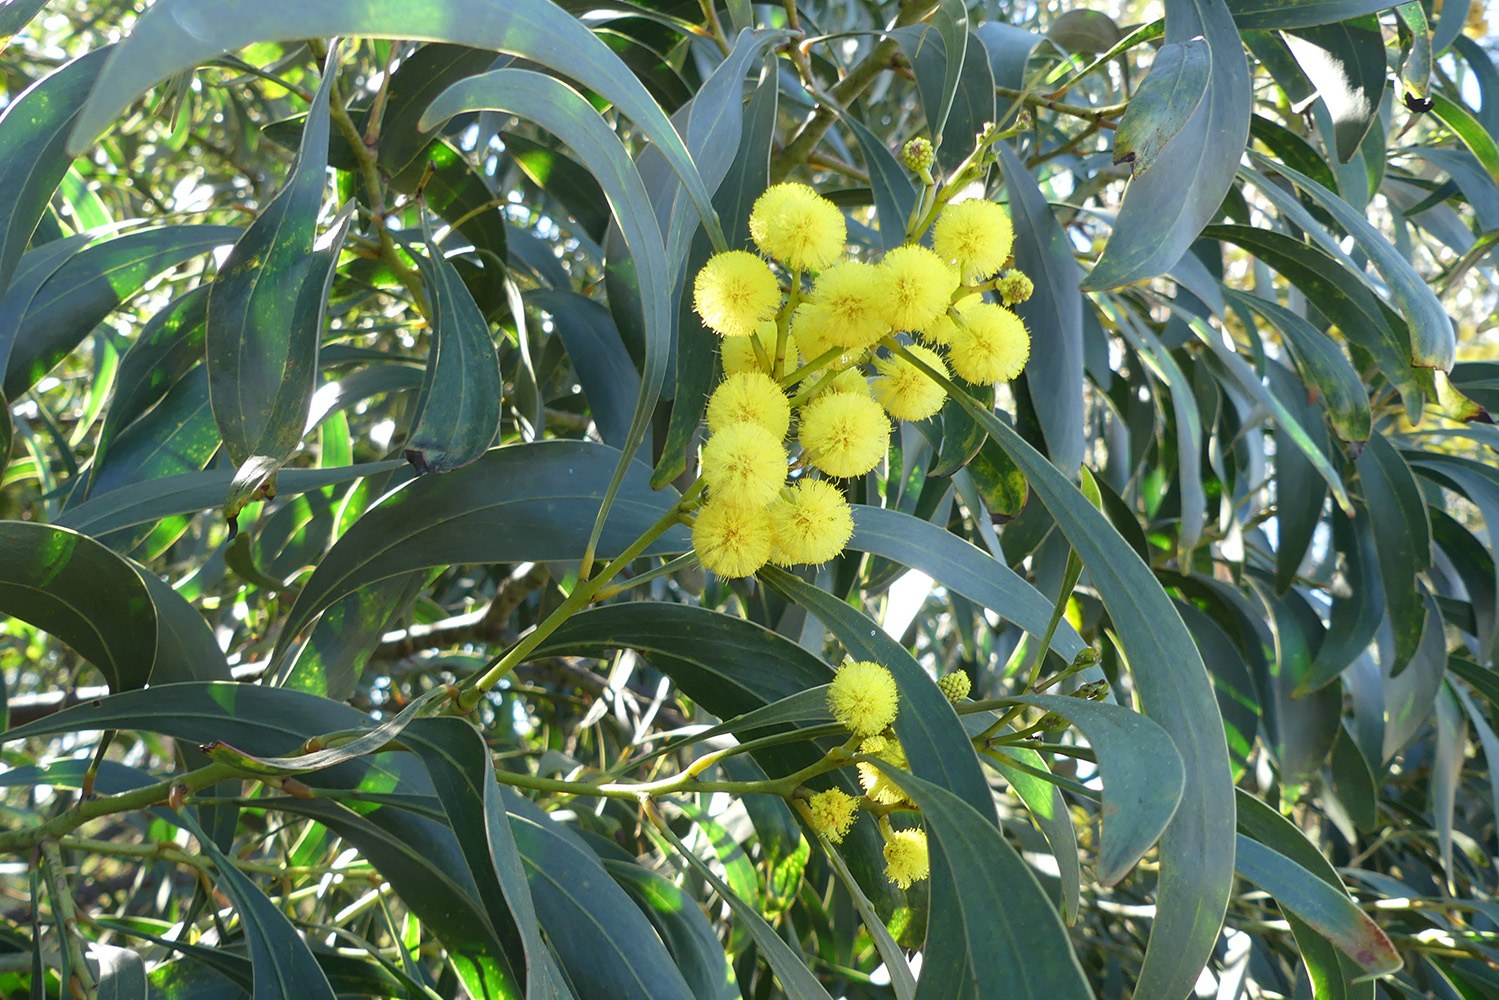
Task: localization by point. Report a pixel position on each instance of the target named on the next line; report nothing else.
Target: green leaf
(1054, 373)
(1142, 774)
(1196, 852)
(121, 973)
(459, 408)
(1168, 204)
(155, 499)
(14, 16)
(1345, 61)
(1415, 70)
(1332, 913)
(332, 660)
(686, 932)
(604, 368)
(1164, 103)
(1433, 343)
(1401, 533)
(82, 593)
(176, 437)
(962, 567)
(42, 322)
(283, 964)
(33, 136)
(974, 949)
(1048, 808)
(264, 320)
(1472, 133)
(522, 503)
(1300, 13)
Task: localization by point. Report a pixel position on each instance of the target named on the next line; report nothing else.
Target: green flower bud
(918, 155)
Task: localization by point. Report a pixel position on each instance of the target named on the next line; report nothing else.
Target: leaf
(1433, 343)
(33, 137)
(14, 16)
(82, 593)
(42, 322)
(604, 368)
(1300, 13)
(1048, 809)
(974, 949)
(1467, 128)
(1166, 208)
(523, 503)
(1415, 70)
(686, 932)
(564, 112)
(459, 411)
(1302, 723)
(957, 95)
(458, 761)
(1402, 539)
(1322, 365)
(1164, 103)
(1056, 363)
(1334, 915)
(332, 660)
(283, 964)
(1142, 774)
(121, 973)
(894, 192)
(176, 437)
(186, 649)
(192, 493)
(264, 320)
(963, 568)
(1345, 61)
(1196, 852)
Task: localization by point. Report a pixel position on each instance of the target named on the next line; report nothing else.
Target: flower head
(751, 398)
(731, 539)
(954, 686)
(798, 227)
(863, 697)
(746, 463)
(976, 235)
(844, 433)
(1015, 287)
(811, 522)
(855, 302)
(877, 786)
(988, 344)
(904, 390)
(849, 380)
(735, 292)
(832, 813)
(737, 354)
(940, 330)
(907, 859)
(921, 284)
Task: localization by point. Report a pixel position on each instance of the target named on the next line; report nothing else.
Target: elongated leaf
(894, 192)
(1334, 915)
(333, 658)
(1142, 773)
(563, 111)
(82, 593)
(192, 493)
(1402, 539)
(684, 930)
(15, 16)
(1048, 809)
(264, 317)
(1196, 852)
(1055, 370)
(1167, 206)
(176, 437)
(283, 964)
(605, 372)
(41, 327)
(1345, 62)
(460, 407)
(33, 137)
(1300, 13)
(522, 503)
(975, 950)
(1165, 102)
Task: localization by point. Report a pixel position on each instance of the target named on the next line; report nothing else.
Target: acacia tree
(668, 500)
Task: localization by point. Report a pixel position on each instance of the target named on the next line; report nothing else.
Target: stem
(67, 917)
(583, 595)
(1101, 115)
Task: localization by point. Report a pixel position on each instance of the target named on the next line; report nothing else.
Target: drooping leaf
(605, 371)
(1345, 62)
(1401, 533)
(1164, 103)
(1300, 13)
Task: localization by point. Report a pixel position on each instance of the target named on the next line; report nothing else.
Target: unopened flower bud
(918, 155)
(1014, 287)
(955, 686)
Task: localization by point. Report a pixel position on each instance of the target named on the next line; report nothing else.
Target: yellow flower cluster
(817, 345)
(907, 858)
(863, 698)
(832, 814)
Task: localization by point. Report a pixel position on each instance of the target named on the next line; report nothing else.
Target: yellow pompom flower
(921, 284)
(988, 344)
(798, 227)
(854, 300)
(831, 814)
(849, 380)
(976, 235)
(735, 292)
(744, 463)
(954, 686)
(877, 786)
(907, 859)
(844, 433)
(737, 354)
(750, 398)
(811, 523)
(863, 697)
(731, 539)
(904, 390)
(940, 330)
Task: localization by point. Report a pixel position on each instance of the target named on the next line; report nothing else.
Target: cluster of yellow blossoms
(864, 700)
(797, 342)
